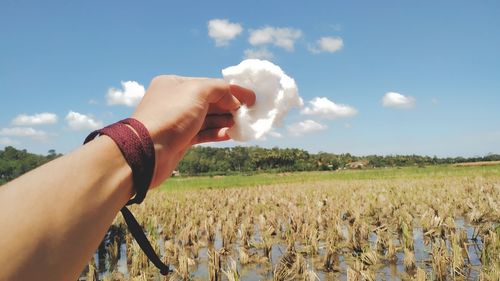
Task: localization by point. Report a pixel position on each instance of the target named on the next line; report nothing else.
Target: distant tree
(14, 162)
(210, 160)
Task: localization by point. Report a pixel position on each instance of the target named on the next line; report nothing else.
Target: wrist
(135, 144)
(114, 175)
(167, 145)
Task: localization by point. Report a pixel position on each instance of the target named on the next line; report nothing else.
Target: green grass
(205, 182)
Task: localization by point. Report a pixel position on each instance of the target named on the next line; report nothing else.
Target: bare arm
(53, 218)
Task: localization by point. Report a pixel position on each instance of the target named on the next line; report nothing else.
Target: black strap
(139, 236)
(135, 229)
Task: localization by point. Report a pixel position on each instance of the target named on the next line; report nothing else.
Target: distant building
(357, 164)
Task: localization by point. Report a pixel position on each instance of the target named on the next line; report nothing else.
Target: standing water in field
(276, 93)
(396, 229)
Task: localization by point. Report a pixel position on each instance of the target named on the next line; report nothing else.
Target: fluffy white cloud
(223, 31)
(327, 44)
(36, 119)
(325, 108)
(78, 121)
(23, 132)
(276, 94)
(304, 127)
(261, 53)
(392, 99)
(130, 95)
(281, 37)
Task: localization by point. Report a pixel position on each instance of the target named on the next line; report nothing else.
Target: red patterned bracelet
(149, 151)
(138, 150)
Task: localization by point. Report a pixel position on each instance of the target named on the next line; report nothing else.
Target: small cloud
(24, 132)
(327, 44)
(304, 127)
(130, 95)
(93, 102)
(262, 53)
(434, 101)
(275, 134)
(223, 31)
(347, 125)
(325, 108)
(393, 99)
(281, 37)
(77, 121)
(4, 141)
(36, 119)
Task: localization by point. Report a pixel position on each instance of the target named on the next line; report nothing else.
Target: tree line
(14, 162)
(202, 160)
(211, 160)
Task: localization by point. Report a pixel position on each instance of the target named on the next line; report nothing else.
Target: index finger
(244, 95)
(228, 96)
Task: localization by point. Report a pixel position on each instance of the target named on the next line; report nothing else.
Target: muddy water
(264, 271)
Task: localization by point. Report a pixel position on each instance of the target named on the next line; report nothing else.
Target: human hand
(182, 111)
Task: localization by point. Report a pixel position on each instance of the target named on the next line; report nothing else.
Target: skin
(54, 217)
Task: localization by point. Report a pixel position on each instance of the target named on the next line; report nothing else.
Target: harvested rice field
(399, 224)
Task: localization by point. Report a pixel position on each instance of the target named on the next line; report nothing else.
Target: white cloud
(304, 127)
(130, 95)
(327, 44)
(392, 99)
(7, 141)
(23, 132)
(223, 31)
(78, 121)
(275, 134)
(276, 93)
(262, 53)
(325, 108)
(36, 119)
(281, 37)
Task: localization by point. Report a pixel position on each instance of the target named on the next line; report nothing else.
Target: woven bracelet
(138, 150)
(149, 164)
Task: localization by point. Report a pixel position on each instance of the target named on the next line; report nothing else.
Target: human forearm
(54, 217)
(58, 214)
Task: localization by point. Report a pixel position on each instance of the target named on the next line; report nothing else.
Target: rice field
(437, 223)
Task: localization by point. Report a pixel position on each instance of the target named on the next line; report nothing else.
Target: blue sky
(441, 57)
